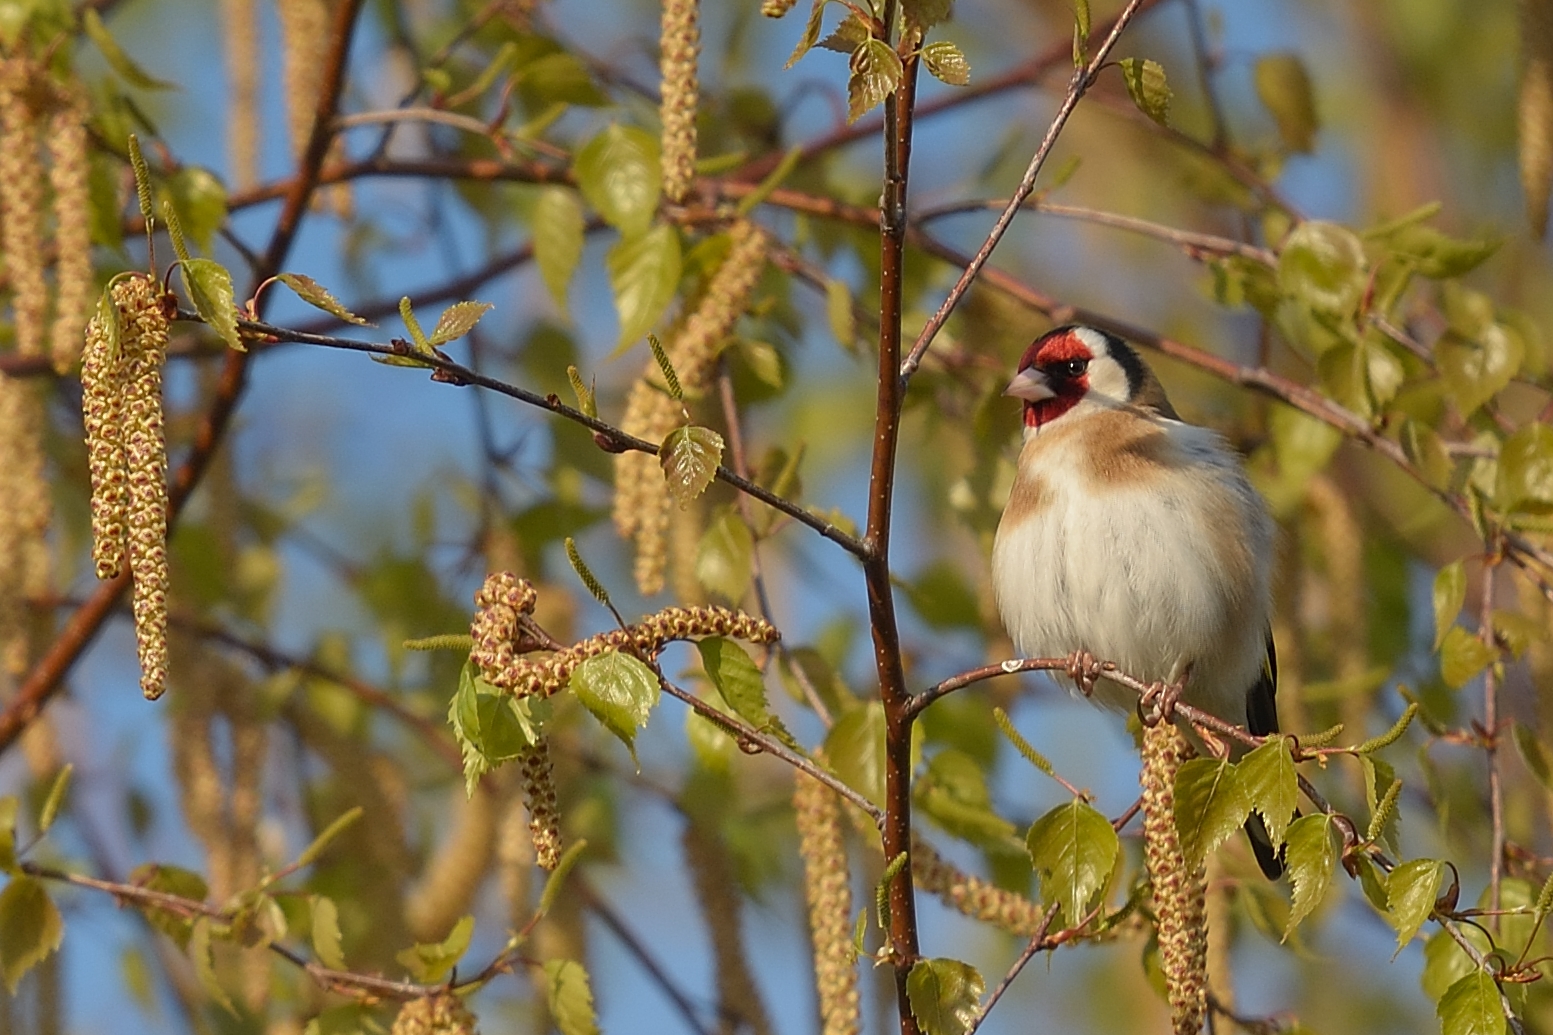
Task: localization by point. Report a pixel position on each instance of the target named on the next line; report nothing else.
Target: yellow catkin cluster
(502, 650)
(1180, 897)
(739, 1006)
(679, 46)
(544, 813)
(127, 454)
(641, 496)
(435, 1015)
(21, 199)
(305, 31)
(828, 889)
(69, 177)
(240, 34)
(776, 8)
(24, 516)
(973, 896)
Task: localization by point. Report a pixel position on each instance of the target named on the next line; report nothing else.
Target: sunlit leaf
(199, 950)
(725, 556)
(855, 748)
(1211, 804)
(1147, 87)
(57, 791)
(1323, 266)
(317, 296)
(848, 36)
(619, 690)
(30, 928)
(741, 684)
(200, 198)
(1450, 592)
(326, 933)
(875, 72)
(1309, 859)
(1462, 656)
(1533, 754)
(1526, 470)
(1472, 1007)
(947, 63)
(557, 226)
(811, 32)
(1284, 88)
(430, 962)
(1474, 370)
(618, 172)
(570, 998)
(945, 995)
(1074, 848)
(953, 793)
(458, 320)
(209, 286)
(1411, 890)
(689, 456)
(643, 274)
(1269, 779)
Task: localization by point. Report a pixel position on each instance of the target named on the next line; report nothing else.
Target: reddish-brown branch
(47, 675)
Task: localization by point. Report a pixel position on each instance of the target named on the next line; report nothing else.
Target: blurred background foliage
(1336, 202)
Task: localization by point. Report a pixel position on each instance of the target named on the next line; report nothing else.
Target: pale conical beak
(1029, 384)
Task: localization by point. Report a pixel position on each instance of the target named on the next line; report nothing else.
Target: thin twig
(1036, 943)
(1082, 79)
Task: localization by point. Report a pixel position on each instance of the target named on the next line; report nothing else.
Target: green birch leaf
(741, 684)
(1425, 450)
(1526, 471)
(689, 456)
(618, 171)
(431, 962)
(1147, 87)
(1471, 1007)
(1444, 961)
(199, 197)
(643, 274)
(326, 933)
(947, 63)
(210, 289)
(1269, 779)
(945, 995)
(30, 928)
(1211, 804)
(457, 320)
(1309, 859)
(205, 964)
(840, 314)
(1450, 592)
(849, 35)
(557, 225)
(171, 880)
(570, 998)
(1074, 848)
(811, 32)
(1474, 370)
(317, 296)
(1284, 88)
(57, 791)
(1462, 656)
(1323, 266)
(1411, 890)
(953, 793)
(725, 557)
(855, 749)
(619, 690)
(117, 58)
(875, 72)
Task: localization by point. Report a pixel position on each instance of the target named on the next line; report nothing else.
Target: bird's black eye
(1069, 368)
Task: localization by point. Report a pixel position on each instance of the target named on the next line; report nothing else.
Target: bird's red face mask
(1053, 376)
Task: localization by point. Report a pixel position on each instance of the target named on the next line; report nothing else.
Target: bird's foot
(1158, 702)
(1083, 669)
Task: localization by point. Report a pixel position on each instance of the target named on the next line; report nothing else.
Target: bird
(1136, 538)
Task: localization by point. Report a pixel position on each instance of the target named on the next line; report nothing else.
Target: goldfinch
(1137, 538)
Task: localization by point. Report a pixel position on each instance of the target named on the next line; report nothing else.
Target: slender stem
(1082, 79)
(898, 110)
(1036, 943)
(1491, 739)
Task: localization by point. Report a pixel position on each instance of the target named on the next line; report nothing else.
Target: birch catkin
(21, 201)
(127, 454)
(1180, 896)
(679, 46)
(68, 177)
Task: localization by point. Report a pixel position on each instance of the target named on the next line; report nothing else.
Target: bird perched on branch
(1135, 538)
